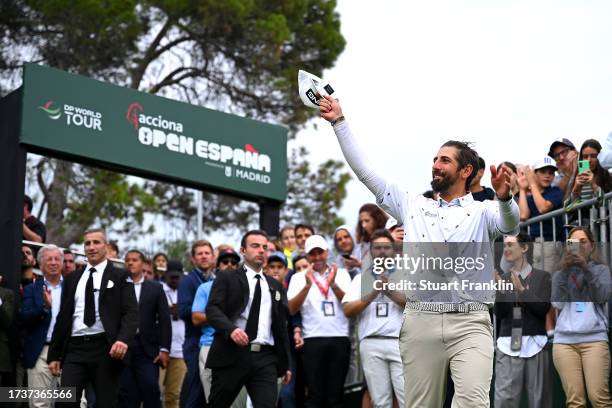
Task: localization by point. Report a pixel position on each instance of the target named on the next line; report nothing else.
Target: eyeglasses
(560, 153)
(229, 262)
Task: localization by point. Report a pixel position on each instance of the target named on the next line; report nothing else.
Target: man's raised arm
(330, 110)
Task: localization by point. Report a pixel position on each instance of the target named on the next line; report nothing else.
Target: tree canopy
(238, 56)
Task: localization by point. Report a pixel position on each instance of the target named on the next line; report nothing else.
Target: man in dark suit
(249, 313)
(97, 320)
(150, 348)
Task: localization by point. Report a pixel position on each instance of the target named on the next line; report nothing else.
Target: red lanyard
(323, 287)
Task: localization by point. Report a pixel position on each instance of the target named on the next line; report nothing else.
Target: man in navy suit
(97, 320)
(150, 348)
(249, 313)
(39, 309)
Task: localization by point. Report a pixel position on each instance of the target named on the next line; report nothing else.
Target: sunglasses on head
(229, 262)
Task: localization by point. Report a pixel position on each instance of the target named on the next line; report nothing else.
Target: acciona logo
(75, 115)
(158, 131)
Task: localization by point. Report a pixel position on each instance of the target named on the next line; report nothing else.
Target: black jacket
(228, 298)
(154, 326)
(534, 302)
(117, 307)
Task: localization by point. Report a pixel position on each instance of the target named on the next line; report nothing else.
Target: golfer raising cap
(434, 336)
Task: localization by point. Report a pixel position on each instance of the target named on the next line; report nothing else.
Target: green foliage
(240, 56)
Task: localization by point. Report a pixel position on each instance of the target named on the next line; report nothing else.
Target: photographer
(521, 358)
(580, 350)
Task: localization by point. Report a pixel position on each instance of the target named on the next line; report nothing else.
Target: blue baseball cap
(278, 256)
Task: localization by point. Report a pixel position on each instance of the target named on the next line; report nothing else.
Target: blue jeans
(192, 392)
(287, 392)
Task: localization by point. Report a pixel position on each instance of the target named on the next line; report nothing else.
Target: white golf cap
(391, 222)
(315, 241)
(312, 88)
(544, 162)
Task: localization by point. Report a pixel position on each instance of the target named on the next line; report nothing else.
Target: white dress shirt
(178, 326)
(137, 287)
(56, 300)
(264, 327)
(315, 321)
(463, 220)
(79, 328)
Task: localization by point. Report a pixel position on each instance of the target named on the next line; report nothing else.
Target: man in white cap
(538, 196)
(453, 330)
(317, 293)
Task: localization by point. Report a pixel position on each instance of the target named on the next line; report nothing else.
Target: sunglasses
(229, 262)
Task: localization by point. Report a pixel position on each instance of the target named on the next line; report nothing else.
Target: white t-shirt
(178, 326)
(382, 317)
(321, 317)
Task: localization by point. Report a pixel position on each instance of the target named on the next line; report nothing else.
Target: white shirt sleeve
(357, 160)
(354, 291)
(503, 217)
(343, 280)
(297, 282)
(605, 156)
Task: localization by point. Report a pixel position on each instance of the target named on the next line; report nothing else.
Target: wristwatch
(337, 120)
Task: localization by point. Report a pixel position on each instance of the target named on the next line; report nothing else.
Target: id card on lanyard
(328, 308)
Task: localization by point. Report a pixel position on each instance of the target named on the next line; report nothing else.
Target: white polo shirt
(382, 317)
(321, 317)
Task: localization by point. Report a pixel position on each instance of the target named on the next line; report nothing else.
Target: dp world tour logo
(134, 110)
(53, 112)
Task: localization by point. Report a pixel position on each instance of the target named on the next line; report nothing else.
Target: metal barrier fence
(598, 211)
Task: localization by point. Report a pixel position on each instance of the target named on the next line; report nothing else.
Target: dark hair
(27, 200)
(508, 164)
(429, 194)
(481, 163)
(380, 219)
(157, 255)
(381, 233)
(142, 256)
(96, 230)
(285, 228)
(252, 232)
(113, 244)
(201, 243)
(298, 258)
(602, 177)
(304, 226)
(525, 239)
(466, 156)
(67, 251)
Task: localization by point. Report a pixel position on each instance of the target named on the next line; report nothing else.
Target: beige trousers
(40, 377)
(430, 342)
(171, 380)
(580, 364)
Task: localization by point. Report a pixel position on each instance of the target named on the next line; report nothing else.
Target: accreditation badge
(382, 309)
(328, 308)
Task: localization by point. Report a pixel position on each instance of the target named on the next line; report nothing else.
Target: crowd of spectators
(340, 332)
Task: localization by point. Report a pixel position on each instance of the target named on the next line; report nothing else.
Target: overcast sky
(510, 76)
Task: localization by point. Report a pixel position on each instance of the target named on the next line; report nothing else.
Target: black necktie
(253, 320)
(90, 304)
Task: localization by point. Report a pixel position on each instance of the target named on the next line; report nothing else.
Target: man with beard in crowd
(202, 258)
